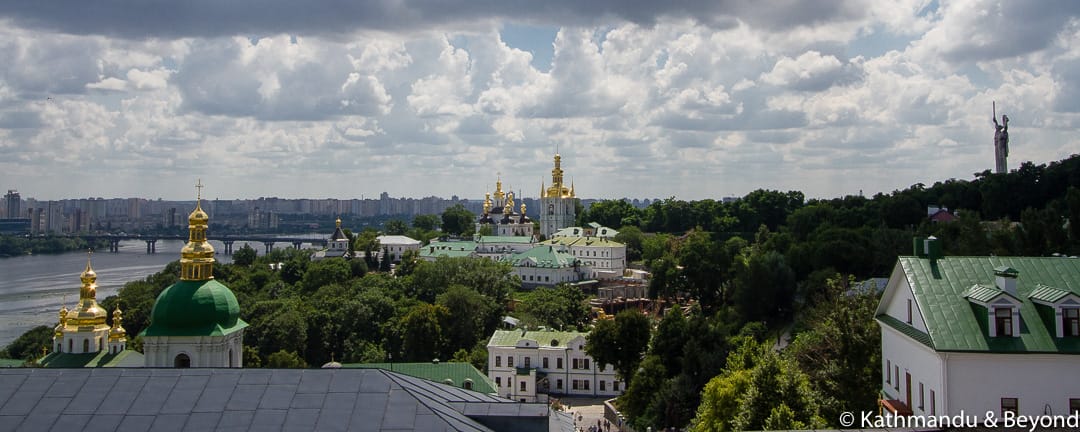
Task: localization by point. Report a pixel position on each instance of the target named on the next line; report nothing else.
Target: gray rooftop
(253, 400)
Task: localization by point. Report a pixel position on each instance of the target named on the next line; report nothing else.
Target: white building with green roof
(601, 258)
(196, 321)
(980, 334)
(528, 365)
(543, 266)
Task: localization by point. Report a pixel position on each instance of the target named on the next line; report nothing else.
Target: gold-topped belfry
(82, 329)
(558, 209)
(499, 215)
(197, 256)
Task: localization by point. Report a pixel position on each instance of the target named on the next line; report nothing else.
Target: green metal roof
(504, 239)
(1047, 294)
(542, 256)
(125, 358)
(437, 372)
(509, 338)
(906, 329)
(10, 363)
(582, 242)
(448, 249)
(956, 324)
(195, 308)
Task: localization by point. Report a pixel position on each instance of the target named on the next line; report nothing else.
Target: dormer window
(1003, 319)
(1071, 318)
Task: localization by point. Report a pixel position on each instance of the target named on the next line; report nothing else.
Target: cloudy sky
(694, 99)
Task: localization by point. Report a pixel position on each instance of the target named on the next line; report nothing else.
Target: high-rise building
(12, 201)
(557, 203)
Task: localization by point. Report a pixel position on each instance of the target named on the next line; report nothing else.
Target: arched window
(71, 345)
(467, 384)
(230, 358)
(182, 361)
(58, 346)
(86, 345)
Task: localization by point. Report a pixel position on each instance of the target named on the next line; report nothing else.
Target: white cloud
(656, 103)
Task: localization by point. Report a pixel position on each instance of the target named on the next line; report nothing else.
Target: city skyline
(694, 100)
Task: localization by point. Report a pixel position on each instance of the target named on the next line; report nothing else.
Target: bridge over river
(151, 240)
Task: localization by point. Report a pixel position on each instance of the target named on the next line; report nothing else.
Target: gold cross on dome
(199, 186)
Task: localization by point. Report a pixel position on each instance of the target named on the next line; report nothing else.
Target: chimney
(1005, 279)
(929, 247)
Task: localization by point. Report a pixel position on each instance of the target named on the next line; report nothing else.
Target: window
(602, 385)
(498, 361)
(1010, 405)
(498, 381)
(522, 386)
(586, 364)
(586, 383)
(182, 361)
(574, 364)
(558, 363)
(467, 384)
(86, 345)
(615, 385)
(545, 362)
(896, 377)
(71, 344)
(574, 384)
(1074, 406)
(1003, 321)
(528, 362)
(558, 384)
(1072, 322)
(922, 406)
(888, 367)
(933, 403)
(58, 346)
(909, 311)
(509, 361)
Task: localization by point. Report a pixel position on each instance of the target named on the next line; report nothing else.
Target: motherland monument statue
(1001, 142)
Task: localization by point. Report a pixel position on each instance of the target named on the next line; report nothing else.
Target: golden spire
(117, 331)
(338, 222)
(197, 256)
(510, 202)
(89, 280)
(542, 189)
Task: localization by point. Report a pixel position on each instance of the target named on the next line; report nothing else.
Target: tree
(620, 342)
(841, 351)
(610, 213)
(422, 334)
(561, 307)
(285, 360)
(632, 237)
(456, 220)
(764, 287)
(649, 380)
(427, 222)
(28, 346)
(384, 262)
(395, 227)
(473, 316)
(325, 272)
(245, 256)
(251, 357)
(409, 260)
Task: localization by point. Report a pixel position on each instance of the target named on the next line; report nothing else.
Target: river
(33, 287)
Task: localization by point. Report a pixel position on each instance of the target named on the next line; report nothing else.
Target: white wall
(897, 306)
(977, 382)
(923, 363)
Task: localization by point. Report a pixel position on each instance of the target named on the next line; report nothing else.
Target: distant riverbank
(13, 246)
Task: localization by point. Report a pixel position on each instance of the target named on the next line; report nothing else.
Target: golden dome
(337, 223)
(197, 256)
(88, 276)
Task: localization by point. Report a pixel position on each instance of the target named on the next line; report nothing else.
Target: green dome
(195, 308)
